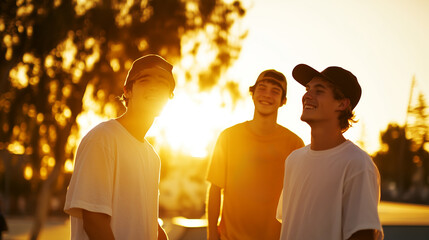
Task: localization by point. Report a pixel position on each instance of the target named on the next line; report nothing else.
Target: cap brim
(303, 74)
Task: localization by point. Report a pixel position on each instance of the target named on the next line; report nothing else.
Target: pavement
(58, 228)
(55, 228)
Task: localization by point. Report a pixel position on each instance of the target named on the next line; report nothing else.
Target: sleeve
(218, 164)
(91, 185)
(361, 195)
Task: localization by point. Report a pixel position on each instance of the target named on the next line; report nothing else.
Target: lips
(265, 102)
(307, 105)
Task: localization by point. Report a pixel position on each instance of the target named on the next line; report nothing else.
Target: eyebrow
(276, 88)
(265, 83)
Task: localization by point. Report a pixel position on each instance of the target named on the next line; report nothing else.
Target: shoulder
(290, 136)
(104, 130)
(299, 152)
(237, 128)
(99, 140)
(358, 159)
(356, 152)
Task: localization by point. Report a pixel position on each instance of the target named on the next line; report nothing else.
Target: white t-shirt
(117, 175)
(329, 194)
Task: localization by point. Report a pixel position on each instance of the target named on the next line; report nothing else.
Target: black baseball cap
(150, 61)
(340, 77)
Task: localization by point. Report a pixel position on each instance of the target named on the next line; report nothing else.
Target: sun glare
(189, 223)
(92, 113)
(191, 123)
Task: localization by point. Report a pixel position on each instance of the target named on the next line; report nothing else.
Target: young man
(113, 192)
(247, 165)
(331, 187)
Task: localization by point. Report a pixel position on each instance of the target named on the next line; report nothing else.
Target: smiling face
(319, 104)
(267, 98)
(150, 92)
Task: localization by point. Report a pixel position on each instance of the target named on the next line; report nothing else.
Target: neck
(263, 125)
(136, 124)
(325, 137)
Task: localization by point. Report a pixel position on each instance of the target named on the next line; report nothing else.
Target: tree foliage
(53, 51)
(403, 160)
(418, 127)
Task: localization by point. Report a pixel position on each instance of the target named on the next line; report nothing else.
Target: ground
(59, 228)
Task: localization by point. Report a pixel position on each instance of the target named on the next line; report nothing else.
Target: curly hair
(346, 117)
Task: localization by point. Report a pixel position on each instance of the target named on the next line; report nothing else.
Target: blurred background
(63, 64)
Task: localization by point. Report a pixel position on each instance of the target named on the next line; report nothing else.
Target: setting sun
(190, 123)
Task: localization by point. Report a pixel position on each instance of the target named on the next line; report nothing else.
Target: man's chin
(151, 113)
(305, 119)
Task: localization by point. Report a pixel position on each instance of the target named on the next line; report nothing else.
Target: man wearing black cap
(113, 192)
(331, 187)
(247, 165)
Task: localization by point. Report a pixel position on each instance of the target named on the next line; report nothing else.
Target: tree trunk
(49, 184)
(43, 203)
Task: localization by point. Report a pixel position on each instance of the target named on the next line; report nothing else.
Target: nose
(264, 93)
(307, 95)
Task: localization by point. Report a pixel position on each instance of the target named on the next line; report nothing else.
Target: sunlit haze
(384, 43)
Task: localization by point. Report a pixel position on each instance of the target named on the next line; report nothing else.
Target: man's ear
(127, 93)
(343, 104)
(283, 101)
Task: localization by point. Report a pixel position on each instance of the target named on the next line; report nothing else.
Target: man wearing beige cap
(247, 166)
(331, 187)
(113, 192)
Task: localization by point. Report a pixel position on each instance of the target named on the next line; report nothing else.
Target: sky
(383, 43)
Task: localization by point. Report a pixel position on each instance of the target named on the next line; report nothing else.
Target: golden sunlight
(68, 166)
(91, 114)
(68, 51)
(43, 173)
(28, 172)
(81, 6)
(189, 223)
(18, 76)
(16, 148)
(191, 123)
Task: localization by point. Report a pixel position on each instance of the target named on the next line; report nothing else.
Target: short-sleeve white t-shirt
(117, 175)
(329, 194)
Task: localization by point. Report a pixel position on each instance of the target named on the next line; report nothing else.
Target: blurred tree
(53, 52)
(394, 170)
(403, 160)
(418, 133)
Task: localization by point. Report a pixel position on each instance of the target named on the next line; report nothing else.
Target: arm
(367, 234)
(162, 235)
(97, 225)
(213, 211)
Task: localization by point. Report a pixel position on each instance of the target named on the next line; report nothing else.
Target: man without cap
(331, 187)
(113, 192)
(247, 166)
